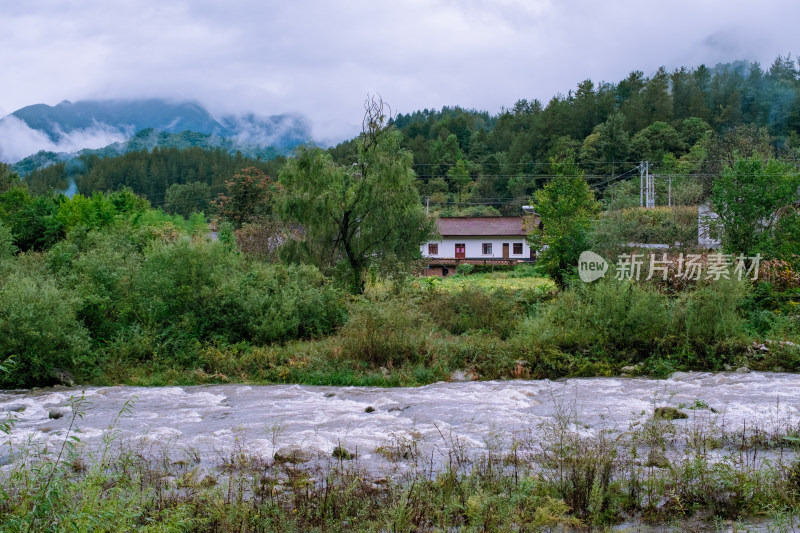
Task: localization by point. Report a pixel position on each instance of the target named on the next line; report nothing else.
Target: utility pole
(647, 186)
(641, 183)
(669, 191)
(651, 187)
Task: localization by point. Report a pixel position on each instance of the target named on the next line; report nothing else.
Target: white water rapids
(476, 417)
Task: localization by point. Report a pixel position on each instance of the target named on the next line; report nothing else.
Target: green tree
(8, 178)
(751, 198)
(460, 179)
(247, 197)
(656, 141)
(607, 147)
(185, 199)
(7, 248)
(566, 207)
(367, 213)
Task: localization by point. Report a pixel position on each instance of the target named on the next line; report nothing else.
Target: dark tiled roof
(480, 226)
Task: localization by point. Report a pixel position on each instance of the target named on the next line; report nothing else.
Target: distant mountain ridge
(68, 127)
(148, 139)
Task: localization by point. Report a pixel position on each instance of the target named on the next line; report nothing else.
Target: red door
(461, 250)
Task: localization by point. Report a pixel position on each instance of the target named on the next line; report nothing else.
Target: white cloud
(320, 58)
(18, 140)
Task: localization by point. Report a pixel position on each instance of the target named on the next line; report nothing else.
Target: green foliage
(185, 199)
(32, 219)
(660, 225)
(8, 178)
(751, 198)
(471, 211)
(625, 321)
(7, 248)
(100, 210)
(149, 173)
(190, 292)
(367, 213)
(39, 327)
(475, 309)
(566, 207)
(248, 196)
(465, 269)
(385, 332)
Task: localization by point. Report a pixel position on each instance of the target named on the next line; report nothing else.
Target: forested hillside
(689, 122)
(149, 173)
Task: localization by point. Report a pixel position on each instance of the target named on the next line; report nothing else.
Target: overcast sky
(320, 58)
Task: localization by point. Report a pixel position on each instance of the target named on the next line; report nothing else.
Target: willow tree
(566, 207)
(351, 217)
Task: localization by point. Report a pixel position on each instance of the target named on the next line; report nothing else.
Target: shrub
(278, 303)
(709, 320)
(385, 332)
(38, 325)
(474, 308)
(605, 317)
(465, 269)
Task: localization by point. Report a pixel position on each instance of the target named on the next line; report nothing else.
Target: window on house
(433, 248)
(487, 248)
(517, 248)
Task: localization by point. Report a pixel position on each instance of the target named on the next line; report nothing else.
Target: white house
(476, 240)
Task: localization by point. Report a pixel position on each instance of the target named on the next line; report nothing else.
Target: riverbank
(475, 455)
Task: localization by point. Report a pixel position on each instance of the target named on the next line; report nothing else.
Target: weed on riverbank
(559, 474)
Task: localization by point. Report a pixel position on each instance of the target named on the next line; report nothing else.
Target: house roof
(480, 226)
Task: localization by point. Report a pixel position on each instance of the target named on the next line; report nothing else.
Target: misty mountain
(94, 124)
(148, 139)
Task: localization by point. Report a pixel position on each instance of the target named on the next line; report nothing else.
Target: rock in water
(292, 454)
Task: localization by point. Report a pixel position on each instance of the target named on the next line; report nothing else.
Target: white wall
(474, 247)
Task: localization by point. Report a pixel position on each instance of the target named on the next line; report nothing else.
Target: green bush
(474, 309)
(278, 303)
(39, 326)
(623, 322)
(465, 269)
(605, 317)
(709, 319)
(385, 332)
(660, 225)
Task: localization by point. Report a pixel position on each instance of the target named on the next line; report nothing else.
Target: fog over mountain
(69, 127)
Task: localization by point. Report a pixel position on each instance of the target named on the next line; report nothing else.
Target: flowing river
(434, 421)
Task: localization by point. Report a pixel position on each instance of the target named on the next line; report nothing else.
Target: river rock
(630, 370)
(63, 377)
(14, 408)
(458, 375)
(668, 413)
(55, 414)
(461, 375)
(742, 370)
(369, 409)
(292, 454)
